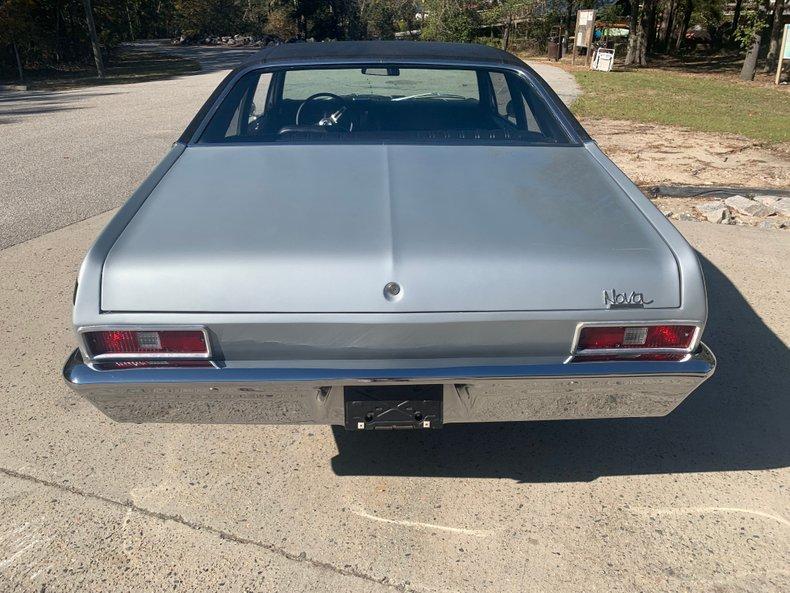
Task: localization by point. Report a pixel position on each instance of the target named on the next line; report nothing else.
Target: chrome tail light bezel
(576, 353)
(89, 356)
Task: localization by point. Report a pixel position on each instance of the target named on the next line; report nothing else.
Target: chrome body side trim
(315, 395)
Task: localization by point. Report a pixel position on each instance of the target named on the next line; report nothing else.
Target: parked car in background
(387, 235)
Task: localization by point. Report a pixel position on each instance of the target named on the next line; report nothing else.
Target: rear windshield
(381, 104)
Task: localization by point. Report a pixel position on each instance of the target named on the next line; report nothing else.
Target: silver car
(387, 235)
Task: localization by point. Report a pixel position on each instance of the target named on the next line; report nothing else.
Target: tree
(641, 33)
(379, 19)
(208, 17)
(667, 23)
(736, 16)
(688, 7)
(14, 25)
(94, 38)
(281, 23)
(633, 25)
(449, 20)
(775, 38)
(507, 13)
(749, 35)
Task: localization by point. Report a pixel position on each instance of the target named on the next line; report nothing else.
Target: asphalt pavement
(696, 501)
(68, 155)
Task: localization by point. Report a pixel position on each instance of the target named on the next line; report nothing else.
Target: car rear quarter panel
(694, 303)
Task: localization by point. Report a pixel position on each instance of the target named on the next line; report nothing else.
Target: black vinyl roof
(383, 51)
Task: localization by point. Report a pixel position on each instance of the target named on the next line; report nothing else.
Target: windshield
(376, 82)
(384, 103)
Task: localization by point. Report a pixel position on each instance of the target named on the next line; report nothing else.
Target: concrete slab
(563, 82)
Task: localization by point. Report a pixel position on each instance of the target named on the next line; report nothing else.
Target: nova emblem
(624, 299)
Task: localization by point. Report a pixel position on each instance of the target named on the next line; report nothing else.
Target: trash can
(555, 49)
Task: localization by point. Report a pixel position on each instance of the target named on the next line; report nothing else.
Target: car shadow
(737, 420)
(15, 105)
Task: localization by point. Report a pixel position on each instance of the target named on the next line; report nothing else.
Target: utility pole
(94, 38)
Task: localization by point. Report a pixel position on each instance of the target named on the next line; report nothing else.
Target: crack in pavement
(402, 587)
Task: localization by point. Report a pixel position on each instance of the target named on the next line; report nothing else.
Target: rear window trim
(568, 127)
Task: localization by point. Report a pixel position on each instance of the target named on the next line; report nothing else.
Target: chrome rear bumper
(315, 396)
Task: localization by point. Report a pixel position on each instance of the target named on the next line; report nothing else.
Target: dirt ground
(652, 154)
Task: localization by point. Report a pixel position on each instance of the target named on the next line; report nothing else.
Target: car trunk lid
(325, 228)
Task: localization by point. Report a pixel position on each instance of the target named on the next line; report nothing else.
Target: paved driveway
(697, 501)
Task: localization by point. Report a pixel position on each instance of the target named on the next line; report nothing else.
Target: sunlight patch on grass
(697, 102)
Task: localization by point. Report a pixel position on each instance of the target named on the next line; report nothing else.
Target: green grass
(701, 103)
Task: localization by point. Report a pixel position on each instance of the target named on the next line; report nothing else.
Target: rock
(667, 213)
(770, 224)
(748, 207)
(713, 211)
(782, 206)
(685, 216)
(766, 200)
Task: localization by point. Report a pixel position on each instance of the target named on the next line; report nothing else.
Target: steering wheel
(329, 118)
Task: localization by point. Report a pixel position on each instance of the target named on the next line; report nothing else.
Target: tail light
(648, 342)
(652, 336)
(147, 344)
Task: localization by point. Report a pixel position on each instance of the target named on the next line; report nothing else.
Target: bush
(450, 20)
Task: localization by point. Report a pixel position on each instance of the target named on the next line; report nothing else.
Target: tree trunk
(569, 27)
(775, 38)
(666, 24)
(684, 26)
(18, 61)
(633, 25)
(643, 33)
(57, 34)
(506, 34)
(94, 38)
(129, 18)
(750, 62)
(736, 16)
(651, 28)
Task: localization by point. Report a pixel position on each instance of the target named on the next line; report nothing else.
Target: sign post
(784, 52)
(583, 36)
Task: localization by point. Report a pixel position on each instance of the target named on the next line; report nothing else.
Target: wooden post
(573, 53)
(781, 57)
(590, 37)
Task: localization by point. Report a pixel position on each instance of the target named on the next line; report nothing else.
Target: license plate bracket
(393, 407)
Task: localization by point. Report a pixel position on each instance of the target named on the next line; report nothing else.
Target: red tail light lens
(137, 343)
(637, 337)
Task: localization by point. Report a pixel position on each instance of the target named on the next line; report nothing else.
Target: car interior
(353, 104)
